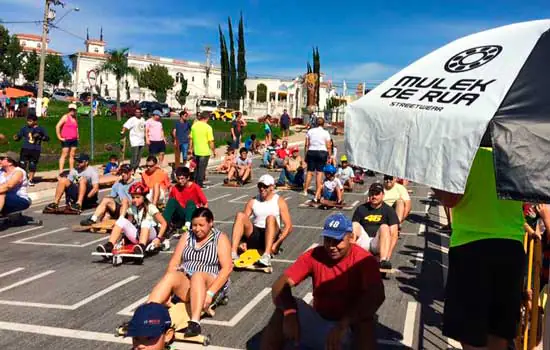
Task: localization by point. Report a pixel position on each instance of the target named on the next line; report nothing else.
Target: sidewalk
(43, 191)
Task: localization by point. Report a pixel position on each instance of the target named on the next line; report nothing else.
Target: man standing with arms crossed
(202, 141)
(136, 126)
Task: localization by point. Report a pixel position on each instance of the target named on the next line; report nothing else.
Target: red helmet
(138, 188)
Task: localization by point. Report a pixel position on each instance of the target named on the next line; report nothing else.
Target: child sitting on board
(228, 161)
(333, 190)
(345, 173)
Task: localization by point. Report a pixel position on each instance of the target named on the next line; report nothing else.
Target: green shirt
(480, 214)
(201, 134)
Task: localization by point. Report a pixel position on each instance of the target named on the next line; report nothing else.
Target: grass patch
(106, 132)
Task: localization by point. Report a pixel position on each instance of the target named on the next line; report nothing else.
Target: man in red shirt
(184, 198)
(282, 153)
(347, 292)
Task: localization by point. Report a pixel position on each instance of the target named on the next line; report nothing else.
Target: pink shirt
(69, 129)
(154, 130)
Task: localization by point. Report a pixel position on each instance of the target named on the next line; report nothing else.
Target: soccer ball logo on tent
(472, 58)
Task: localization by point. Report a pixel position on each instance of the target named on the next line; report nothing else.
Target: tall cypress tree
(224, 65)
(317, 71)
(241, 62)
(232, 67)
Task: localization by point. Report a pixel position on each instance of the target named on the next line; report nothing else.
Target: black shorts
(69, 143)
(257, 239)
(30, 157)
(316, 160)
(285, 127)
(71, 196)
(484, 290)
(156, 147)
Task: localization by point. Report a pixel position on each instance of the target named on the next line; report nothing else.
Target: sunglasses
(262, 186)
(388, 178)
(149, 166)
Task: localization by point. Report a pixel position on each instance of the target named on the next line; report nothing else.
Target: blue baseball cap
(337, 226)
(157, 112)
(149, 320)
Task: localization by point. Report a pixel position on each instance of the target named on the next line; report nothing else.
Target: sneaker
(265, 260)
(104, 248)
(52, 206)
(32, 183)
(385, 264)
(75, 207)
(87, 222)
(193, 329)
(138, 250)
(316, 200)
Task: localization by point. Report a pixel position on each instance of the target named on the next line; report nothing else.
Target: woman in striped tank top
(199, 269)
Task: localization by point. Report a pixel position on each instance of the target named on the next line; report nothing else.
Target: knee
(240, 217)
(385, 229)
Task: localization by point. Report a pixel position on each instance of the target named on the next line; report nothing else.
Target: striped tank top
(204, 258)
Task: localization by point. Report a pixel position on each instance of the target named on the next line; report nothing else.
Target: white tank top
(20, 190)
(262, 209)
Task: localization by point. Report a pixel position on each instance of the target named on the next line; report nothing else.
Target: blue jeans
(184, 148)
(294, 178)
(267, 158)
(14, 204)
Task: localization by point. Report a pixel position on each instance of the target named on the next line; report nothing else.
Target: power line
(67, 32)
(20, 22)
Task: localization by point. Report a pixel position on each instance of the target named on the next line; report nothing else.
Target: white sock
(94, 218)
(197, 322)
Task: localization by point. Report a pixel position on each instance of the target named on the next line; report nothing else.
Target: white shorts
(162, 197)
(314, 329)
(371, 244)
(131, 232)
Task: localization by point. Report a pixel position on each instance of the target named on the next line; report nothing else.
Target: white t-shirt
(345, 174)
(32, 103)
(149, 220)
(332, 185)
(137, 131)
(318, 138)
(398, 191)
(240, 162)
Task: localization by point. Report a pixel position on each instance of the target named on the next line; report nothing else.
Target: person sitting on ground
(156, 180)
(260, 223)
(269, 153)
(397, 196)
(111, 168)
(334, 154)
(184, 198)
(253, 145)
(80, 187)
(227, 161)
(375, 226)
(333, 190)
(13, 186)
(151, 327)
(117, 202)
(198, 272)
(347, 292)
(345, 173)
(32, 135)
(293, 170)
(241, 169)
(138, 224)
(281, 154)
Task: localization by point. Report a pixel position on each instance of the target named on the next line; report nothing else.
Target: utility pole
(208, 52)
(45, 29)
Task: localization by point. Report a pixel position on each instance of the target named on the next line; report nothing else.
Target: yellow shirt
(398, 191)
(201, 134)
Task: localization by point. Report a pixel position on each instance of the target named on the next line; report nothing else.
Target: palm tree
(117, 64)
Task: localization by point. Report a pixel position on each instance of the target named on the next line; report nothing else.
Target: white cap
(267, 180)
(72, 106)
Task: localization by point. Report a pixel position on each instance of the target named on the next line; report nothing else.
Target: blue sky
(358, 40)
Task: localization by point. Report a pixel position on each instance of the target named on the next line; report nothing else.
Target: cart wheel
(139, 261)
(207, 340)
(224, 301)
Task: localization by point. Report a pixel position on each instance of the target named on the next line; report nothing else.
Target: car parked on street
(126, 109)
(150, 106)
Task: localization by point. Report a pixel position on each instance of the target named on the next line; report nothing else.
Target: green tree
(13, 63)
(317, 71)
(157, 79)
(232, 67)
(117, 64)
(55, 70)
(241, 62)
(4, 42)
(261, 91)
(32, 65)
(224, 64)
(181, 96)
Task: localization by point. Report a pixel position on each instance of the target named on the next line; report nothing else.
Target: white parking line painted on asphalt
(242, 313)
(11, 272)
(68, 245)
(23, 240)
(26, 280)
(69, 307)
(295, 226)
(453, 344)
(88, 335)
(129, 310)
(220, 197)
(410, 320)
(22, 231)
(237, 200)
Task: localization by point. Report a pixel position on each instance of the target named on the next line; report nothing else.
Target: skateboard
(61, 210)
(288, 187)
(234, 183)
(249, 261)
(120, 254)
(274, 170)
(217, 172)
(311, 204)
(104, 226)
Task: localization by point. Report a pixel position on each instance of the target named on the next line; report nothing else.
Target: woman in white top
(318, 151)
(13, 187)
(260, 222)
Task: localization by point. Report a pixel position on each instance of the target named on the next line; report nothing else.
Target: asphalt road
(55, 295)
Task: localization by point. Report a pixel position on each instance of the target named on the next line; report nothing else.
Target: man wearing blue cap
(150, 327)
(347, 292)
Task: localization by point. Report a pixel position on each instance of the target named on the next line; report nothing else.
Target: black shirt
(32, 137)
(371, 219)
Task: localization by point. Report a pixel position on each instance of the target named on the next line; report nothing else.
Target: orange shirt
(159, 176)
